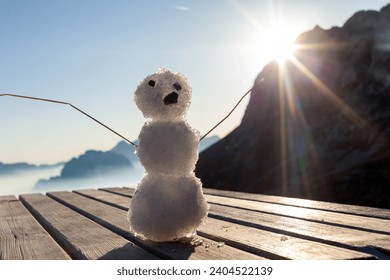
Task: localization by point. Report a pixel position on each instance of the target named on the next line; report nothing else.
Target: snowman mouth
(171, 98)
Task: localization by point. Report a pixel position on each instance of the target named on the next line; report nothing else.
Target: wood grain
(8, 198)
(22, 237)
(118, 201)
(121, 191)
(92, 224)
(329, 234)
(340, 219)
(254, 240)
(305, 203)
(275, 245)
(78, 235)
(115, 219)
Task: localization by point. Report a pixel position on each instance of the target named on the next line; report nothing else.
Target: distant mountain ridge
(128, 150)
(119, 162)
(325, 138)
(94, 166)
(93, 163)
(14, 168)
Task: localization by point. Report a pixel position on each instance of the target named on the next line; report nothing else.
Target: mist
(121, 177)
(24, 181)
(35, 181)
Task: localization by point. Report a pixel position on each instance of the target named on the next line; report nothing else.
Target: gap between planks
(289, 201)
(370, 224)
(337, 235)
(115, 219)
(80, 237)
(338, 219)
(305, 203)
(301, 245)
(22, 237)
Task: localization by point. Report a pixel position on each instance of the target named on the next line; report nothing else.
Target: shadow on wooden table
(175, 250)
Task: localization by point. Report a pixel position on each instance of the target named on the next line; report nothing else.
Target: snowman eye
(151, 83)
(177, 86)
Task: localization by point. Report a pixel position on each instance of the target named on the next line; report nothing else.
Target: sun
(278, 43)
(272, 36)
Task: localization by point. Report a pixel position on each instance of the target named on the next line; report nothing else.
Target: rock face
(93, 163)
(319, 127)
(92, 166)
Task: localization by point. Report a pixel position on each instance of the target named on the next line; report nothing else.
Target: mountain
(207, 142)
(7, 169)
(128, 150)
(118, 166)
(93, 163)
(90, 165)
(319, 127)
(18, 178)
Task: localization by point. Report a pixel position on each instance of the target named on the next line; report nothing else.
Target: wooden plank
(310, 230)
(121, 191)
(340, 219)
(330, 234)
(119, 201)
(274, 245)
(255, 240)
(306, 203)
(115, 219)
(22, 237)
(8, 198)
(78, 235)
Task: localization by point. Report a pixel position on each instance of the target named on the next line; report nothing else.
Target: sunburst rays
(298, 152)
(297, 148)
(330, 94)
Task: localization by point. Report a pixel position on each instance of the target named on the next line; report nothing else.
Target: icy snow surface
(168, 204)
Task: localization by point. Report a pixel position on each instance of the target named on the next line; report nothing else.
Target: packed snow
(168, 204)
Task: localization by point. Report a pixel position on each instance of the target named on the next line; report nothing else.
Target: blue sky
(94, 53)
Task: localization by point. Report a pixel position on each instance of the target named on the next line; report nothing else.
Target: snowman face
(164, 95)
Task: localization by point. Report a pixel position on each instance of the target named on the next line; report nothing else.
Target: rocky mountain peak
(320, 127)
(368, 20)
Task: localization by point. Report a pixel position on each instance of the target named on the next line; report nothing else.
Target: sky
(94, 53)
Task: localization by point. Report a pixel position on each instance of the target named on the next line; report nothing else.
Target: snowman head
(164, 95)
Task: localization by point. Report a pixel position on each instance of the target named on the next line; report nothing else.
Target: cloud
(181, 8)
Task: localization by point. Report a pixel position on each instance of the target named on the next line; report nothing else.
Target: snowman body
(168, 203)
(175, 148)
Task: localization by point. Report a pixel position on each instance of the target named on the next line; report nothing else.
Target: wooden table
(91, 224)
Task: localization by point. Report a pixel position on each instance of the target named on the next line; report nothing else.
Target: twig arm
(71, 105)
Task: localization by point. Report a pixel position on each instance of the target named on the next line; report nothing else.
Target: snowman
(168, 203)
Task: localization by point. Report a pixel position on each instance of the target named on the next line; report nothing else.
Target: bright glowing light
(274, 37)
(278, 43)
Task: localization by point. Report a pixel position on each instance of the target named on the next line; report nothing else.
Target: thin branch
(234, 108)
(71, 105)
(102, 124)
